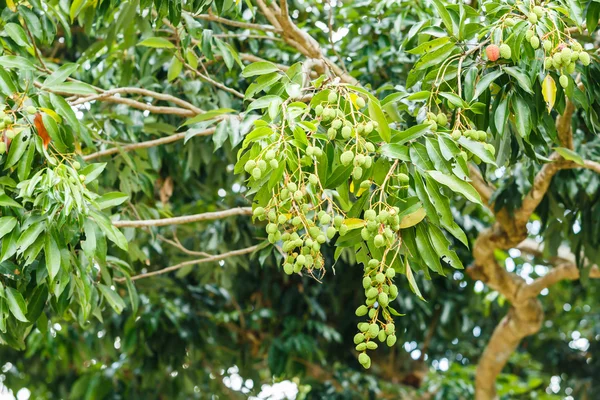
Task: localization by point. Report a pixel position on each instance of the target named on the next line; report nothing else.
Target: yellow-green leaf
(413, 218)
(354, 223)
(549, 91)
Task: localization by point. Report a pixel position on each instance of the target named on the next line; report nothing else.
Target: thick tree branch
(145, 145)
(172, 268)
(297, 38)
(186, 219)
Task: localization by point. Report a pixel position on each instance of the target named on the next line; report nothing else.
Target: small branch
(191, 262)
(593, 165)
(177, 244)
(566, 271)
(246, 36)
(186, 219)
(142, 92)
(145, 145)
(566, 268)
(237, 24)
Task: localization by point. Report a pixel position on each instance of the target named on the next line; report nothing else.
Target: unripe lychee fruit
(505, 51)
(576, 46)
(492, 52)
(539, 11)
(533, 18)
(529, 34)
(548, 64)
(535, 42)
(442, 119)
(584, 58)
(547, 45)
(509, 22)
(360, 102)
(564, 81)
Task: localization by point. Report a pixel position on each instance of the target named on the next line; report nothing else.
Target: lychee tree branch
(526, 313)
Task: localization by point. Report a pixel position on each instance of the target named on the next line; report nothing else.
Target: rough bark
(526, 315)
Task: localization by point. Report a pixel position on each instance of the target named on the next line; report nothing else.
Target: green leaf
(411, 280)
(208, 115)
(442, 246)
(444, 15)
(72, 88)
(16, 304)
(7, 86)
(570, 155)
(522, 116)
(6, 201)
(17, 148)
(32, 22)
(76, 7)
(157, 43)
(435, 57)
(30, 235)
(92, 171)
(111, 199)
(7, 224)
(17, 33)
(377, 115)
(16, 62)
(412, 133)
(113, 299)
(60, 75)
(500, 116)
(174, 69)
(426, 250)
(485, 82)
(395, 151)
(429, 45)
(264, 102)
(521, 78)
(454, 99)
(456, 185)
(52, 253)
(259, 68)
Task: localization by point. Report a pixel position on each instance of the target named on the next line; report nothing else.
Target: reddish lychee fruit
(492, 52)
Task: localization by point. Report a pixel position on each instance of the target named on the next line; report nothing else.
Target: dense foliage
(277, 160)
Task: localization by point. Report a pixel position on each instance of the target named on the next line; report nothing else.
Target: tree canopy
(368, 199)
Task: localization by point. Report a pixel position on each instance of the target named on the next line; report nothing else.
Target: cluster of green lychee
(563, 58)
(352, 128)
(382, 227)
(436, 121)
(258, 167)
(301, 227)
(379, 292)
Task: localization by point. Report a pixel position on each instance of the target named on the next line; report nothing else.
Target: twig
(145, 145)
(237, 24)
(191, 262)
(142, 92)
